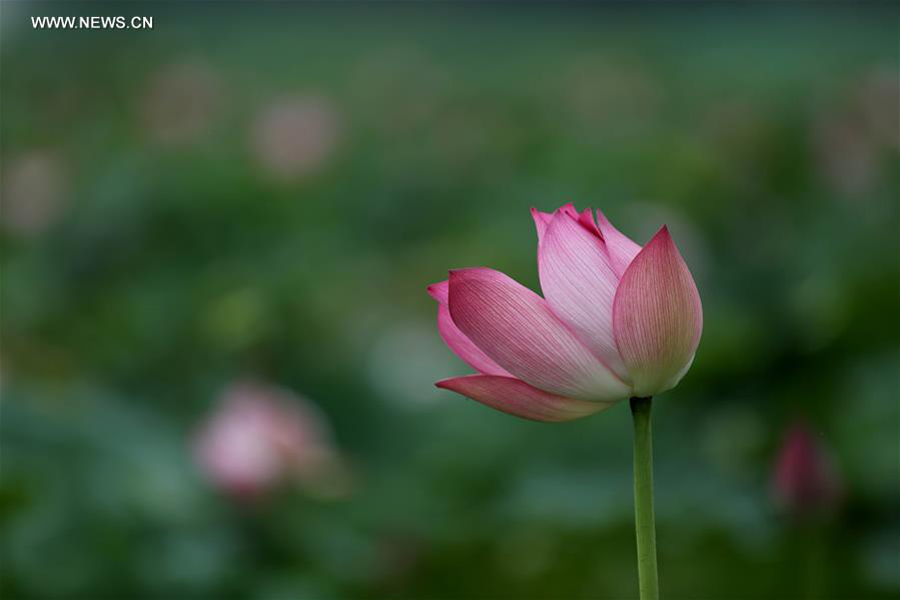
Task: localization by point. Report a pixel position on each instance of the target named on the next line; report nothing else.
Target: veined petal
(517, 330)
(456, 339)
(586, 219)
(463, 346)
(657, 316)
(516, 397)
(620, 248)
(580, 286)
(542, 219)
(569, 209)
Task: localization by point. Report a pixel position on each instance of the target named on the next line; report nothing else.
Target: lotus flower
(295, 136)
(616, 321)
(259, 436)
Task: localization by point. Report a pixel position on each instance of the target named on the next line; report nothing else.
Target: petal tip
(438, 291)
(541, 219)
(601, 218)
(445, 384)
(456, 276)
(663, 236)
(514, 397)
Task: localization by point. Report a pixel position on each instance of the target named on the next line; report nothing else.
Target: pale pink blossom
(878, 97)
(616, 321)
(851, 137)
(295, 136)
(34, 193)
(260, 436)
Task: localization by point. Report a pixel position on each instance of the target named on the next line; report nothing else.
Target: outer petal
(517, 398)
(657, 316)
(517, 330)
(580, 286)
(619, 246)
(456, 339)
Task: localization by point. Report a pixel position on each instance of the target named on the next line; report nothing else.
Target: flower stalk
(644, 518)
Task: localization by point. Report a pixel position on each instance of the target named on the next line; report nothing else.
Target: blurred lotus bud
(259, 437)
(806, 481)
(181, 102)
(846, 154)
(294, 137)
(878, 99)
(850, 138)
(33, 193)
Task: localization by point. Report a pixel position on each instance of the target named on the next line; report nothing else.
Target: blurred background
(218, 354)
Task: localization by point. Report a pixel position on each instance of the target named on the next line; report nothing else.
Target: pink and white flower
(616, 321)
(259, 436)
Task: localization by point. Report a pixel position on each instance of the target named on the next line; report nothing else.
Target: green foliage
(167, 267)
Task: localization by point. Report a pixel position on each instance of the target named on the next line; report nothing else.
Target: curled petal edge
(515, 397)
(456, 340)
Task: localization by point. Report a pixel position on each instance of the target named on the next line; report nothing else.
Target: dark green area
(765, 136)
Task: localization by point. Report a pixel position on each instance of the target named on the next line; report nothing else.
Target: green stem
(644, 519)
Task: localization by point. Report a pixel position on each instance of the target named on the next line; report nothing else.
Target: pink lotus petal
(463, 346)
(542, 219)
(456, 339)
(586, 219)
(517, 398)
(569, 209)
(657, 316)
(580, 286)
(619, 246)
(440, 291)
(515, 328)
